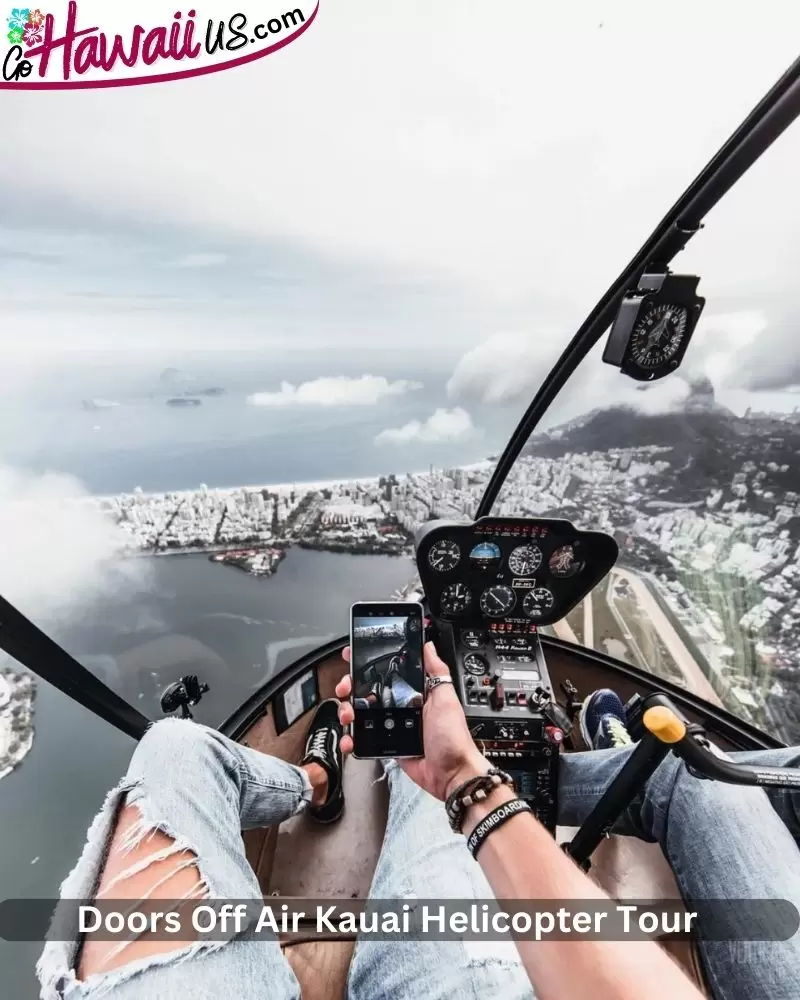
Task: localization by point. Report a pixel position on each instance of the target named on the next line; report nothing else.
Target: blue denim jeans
(201, 789)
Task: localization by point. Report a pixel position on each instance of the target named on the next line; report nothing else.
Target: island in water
(256, 562)
(184, 401)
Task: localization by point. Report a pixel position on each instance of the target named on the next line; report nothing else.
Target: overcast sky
(455, 168)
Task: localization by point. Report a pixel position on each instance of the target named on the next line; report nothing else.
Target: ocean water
(228, 441)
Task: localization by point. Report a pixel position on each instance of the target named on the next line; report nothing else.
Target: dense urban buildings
(708, 523)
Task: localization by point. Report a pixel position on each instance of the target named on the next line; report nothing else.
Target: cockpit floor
(306, 860)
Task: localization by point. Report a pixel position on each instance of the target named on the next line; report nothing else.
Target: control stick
(664, 731)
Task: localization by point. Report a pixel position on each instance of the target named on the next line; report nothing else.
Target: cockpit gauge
(444, 556)
(473, 638)
(658, 336)
(654, 325)
(564, 562)
(485, 556)
(475, 664)
(499, 601)
(525, 560)
(455, 599)
(538, 602)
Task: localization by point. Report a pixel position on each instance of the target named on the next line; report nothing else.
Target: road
(696, 680)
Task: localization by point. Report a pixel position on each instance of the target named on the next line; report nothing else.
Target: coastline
(308, 486)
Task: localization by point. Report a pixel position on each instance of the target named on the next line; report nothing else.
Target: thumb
(434, 664)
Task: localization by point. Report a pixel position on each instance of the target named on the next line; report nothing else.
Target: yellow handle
(664, 724)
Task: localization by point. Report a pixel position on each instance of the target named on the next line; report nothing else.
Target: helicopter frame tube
(35, 650)
(765, 123)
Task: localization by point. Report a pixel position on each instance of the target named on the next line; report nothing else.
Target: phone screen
(388, 679)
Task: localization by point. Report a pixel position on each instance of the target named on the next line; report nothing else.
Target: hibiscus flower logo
(19, 18)
(32, 34)
(25, 25)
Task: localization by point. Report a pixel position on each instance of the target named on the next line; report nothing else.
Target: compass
(654, 325)
(658, 335)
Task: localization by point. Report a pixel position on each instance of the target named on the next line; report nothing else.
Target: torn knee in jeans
(144, 863)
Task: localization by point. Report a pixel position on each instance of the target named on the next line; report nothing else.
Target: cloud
(442, 425)
(500, 169)
(505, 367)
(337, 390)
(200, 260)
(762, 352)
(729, 348)
(58, 553)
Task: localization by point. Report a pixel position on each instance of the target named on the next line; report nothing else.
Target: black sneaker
(603, 722)
(323, 748)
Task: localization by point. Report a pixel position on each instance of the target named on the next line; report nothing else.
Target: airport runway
(697, 681)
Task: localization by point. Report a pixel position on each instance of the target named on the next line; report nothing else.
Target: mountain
(705, 444)
(627, 427)
(696, 423)
(701, 398)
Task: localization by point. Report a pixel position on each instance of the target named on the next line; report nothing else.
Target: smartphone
(388, 679)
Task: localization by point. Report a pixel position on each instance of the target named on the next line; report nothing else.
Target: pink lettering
(108, 59)
(155, 46)
(66, 41)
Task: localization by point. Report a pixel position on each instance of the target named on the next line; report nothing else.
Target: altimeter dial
(525, 560)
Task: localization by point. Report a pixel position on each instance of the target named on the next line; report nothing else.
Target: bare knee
(142, 864)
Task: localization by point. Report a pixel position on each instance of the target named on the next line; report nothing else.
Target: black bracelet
(496, 818)
(474, 790)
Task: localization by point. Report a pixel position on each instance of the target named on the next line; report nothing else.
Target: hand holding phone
(451, 755)
(388, 681)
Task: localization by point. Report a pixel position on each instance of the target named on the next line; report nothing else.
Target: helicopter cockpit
(638, 530)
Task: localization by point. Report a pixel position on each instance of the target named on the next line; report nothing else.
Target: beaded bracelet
(474, 790)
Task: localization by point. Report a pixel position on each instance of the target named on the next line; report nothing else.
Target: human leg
(172, 830)
(722, 842)
(404, 695)
(423, 859)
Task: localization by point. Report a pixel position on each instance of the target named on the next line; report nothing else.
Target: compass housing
(654, 325)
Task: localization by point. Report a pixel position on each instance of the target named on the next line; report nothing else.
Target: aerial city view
(704, 593)
(262, 325)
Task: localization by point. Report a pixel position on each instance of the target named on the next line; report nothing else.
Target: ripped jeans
(201, 789)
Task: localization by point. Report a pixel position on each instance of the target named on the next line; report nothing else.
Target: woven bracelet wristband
(474, 790)
(502, 814)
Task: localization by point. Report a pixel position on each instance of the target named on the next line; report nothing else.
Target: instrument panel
(521, 572)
